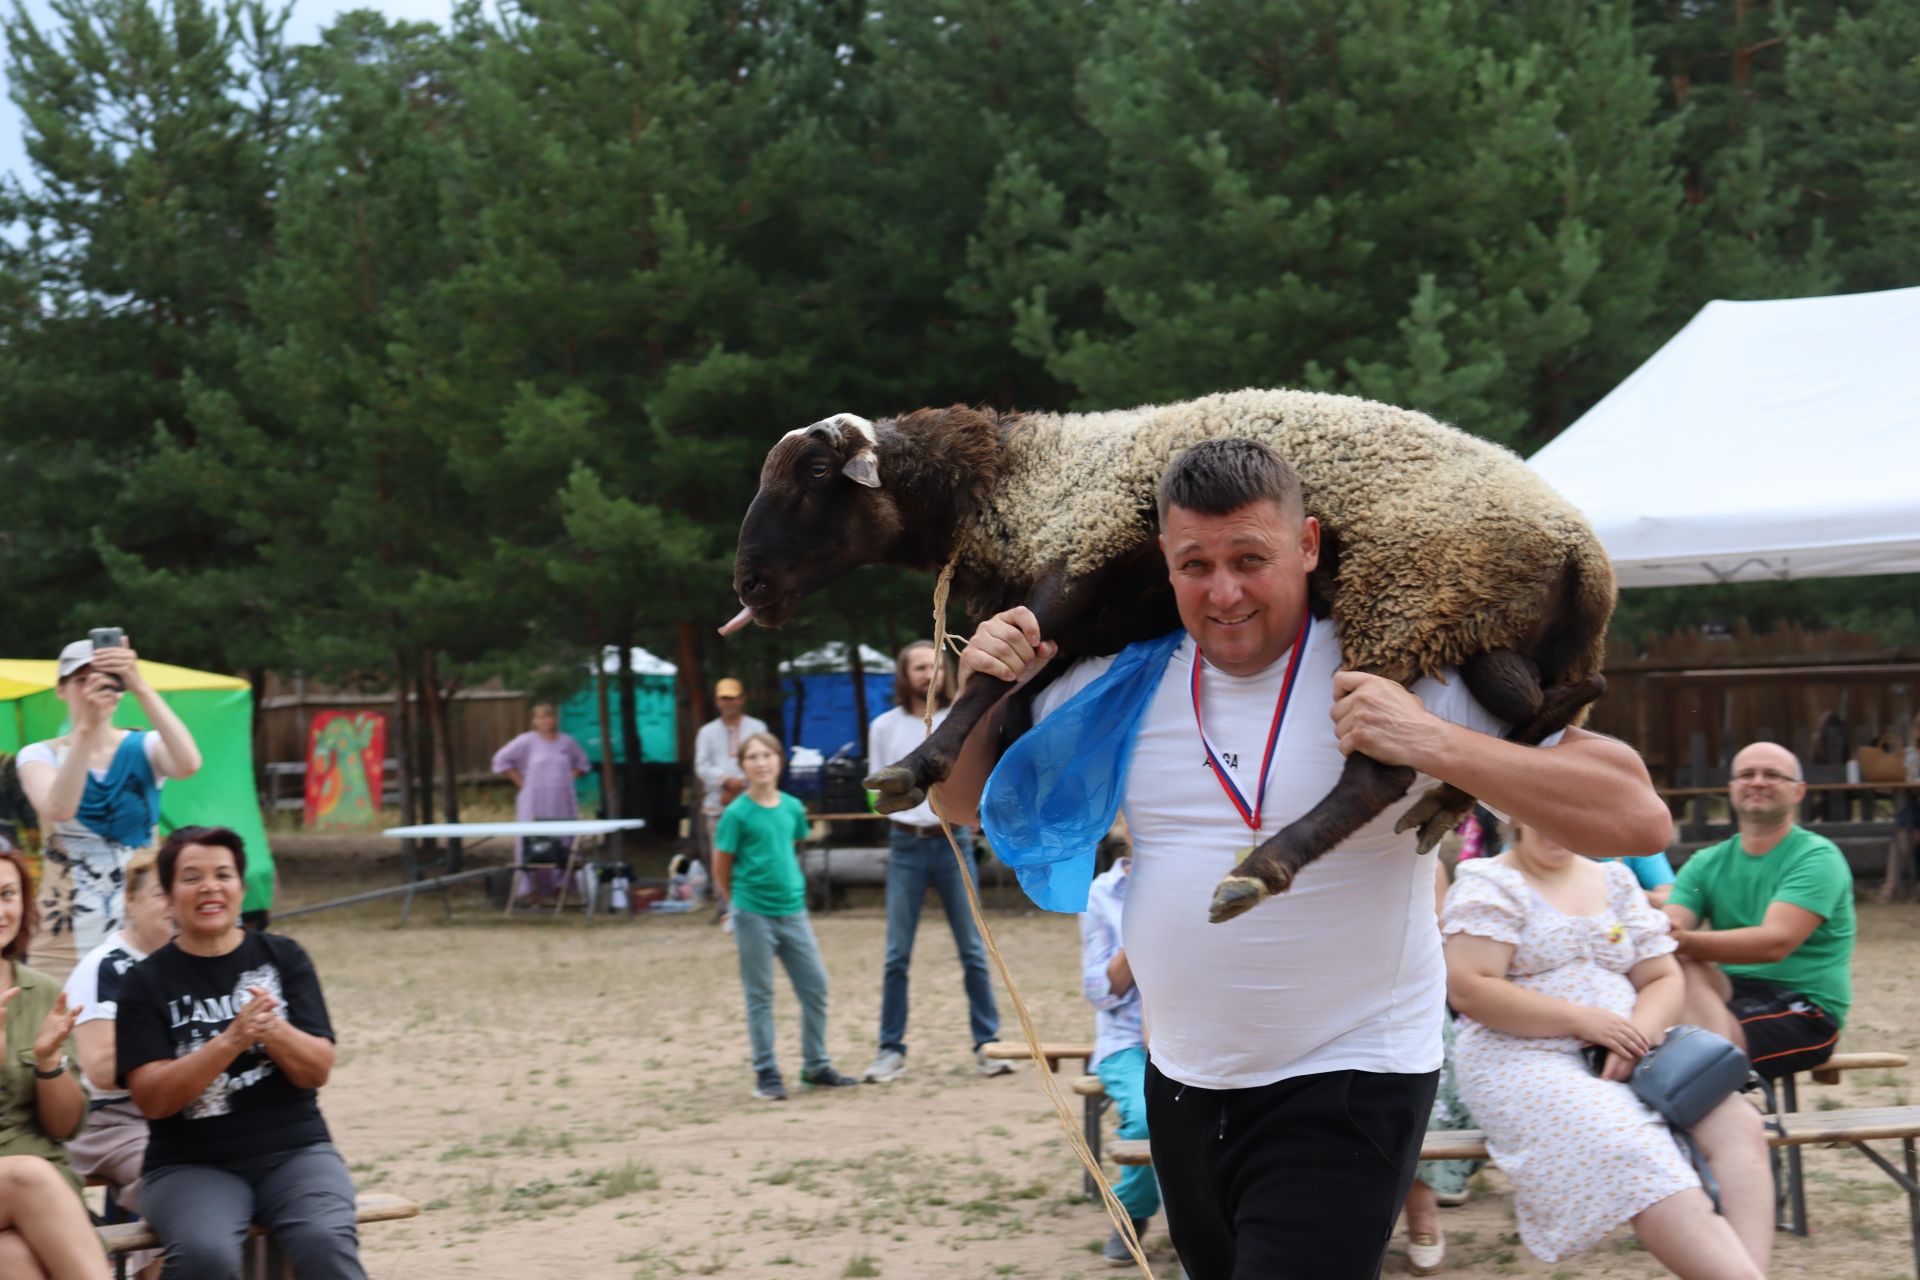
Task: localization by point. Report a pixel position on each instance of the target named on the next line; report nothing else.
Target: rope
(1122, 1221)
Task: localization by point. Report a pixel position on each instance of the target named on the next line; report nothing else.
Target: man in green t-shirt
(1772, 975)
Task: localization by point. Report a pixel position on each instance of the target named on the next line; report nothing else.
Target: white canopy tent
(1766, 440)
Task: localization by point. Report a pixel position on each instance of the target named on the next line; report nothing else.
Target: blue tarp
(819, 711)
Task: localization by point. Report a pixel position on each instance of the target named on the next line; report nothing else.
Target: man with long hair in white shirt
(919, 859)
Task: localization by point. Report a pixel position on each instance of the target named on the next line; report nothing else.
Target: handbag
(1881, 762)
(1685, 1077)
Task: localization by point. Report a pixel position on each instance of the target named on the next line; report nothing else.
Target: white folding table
(559, 827)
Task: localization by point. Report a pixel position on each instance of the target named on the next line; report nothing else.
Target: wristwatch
(59, 1068)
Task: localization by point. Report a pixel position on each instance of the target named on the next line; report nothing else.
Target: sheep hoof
(1433, 815)
(900, 804)
(1235, 895)
(899, 789)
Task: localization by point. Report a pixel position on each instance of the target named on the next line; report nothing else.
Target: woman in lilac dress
(543, 762)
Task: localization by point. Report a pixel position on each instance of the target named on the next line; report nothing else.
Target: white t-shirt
(891, 738)
(1341, 972)
(716, 753)
(94, 985)
(53, 757)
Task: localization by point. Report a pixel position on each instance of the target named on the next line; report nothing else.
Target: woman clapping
(223, 1040)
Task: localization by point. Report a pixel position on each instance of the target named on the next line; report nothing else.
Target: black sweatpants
(1298, 1180)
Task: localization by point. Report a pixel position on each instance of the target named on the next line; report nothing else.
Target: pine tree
(154, 132)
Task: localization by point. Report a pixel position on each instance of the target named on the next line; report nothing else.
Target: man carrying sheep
(1295, 1051)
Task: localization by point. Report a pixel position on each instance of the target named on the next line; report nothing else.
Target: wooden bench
(1092, 1090)
(1053, 1052)
(1793, 1207)
(1856, 1127)
(262, 1259)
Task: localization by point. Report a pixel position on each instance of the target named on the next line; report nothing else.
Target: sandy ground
(573, 1101)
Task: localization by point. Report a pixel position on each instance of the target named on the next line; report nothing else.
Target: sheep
(1439, 550)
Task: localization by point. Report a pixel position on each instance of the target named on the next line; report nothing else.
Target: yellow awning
(20, 677)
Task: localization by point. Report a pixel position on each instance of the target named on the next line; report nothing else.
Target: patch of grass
(1829, 1104)
(861, 1264)
(625, 1180)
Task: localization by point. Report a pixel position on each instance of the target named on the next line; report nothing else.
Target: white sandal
(1426, 1255)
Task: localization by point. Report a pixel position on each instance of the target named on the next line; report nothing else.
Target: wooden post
(609, 791)
(629, 732)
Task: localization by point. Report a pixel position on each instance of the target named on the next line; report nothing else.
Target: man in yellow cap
(716, 761)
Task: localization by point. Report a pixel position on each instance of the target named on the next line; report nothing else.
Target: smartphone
(1596, 1056)
(109, 638)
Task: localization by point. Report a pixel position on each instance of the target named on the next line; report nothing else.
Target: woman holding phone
(97, 791)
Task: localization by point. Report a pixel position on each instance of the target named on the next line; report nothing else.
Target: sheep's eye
(819, 470)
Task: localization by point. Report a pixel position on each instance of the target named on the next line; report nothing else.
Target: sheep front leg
(1365, 789)
(905, 784)
(1058, 601)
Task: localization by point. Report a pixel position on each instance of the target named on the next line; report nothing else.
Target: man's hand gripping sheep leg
(1591, 789)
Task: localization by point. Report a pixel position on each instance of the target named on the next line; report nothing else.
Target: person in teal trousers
(1119, 1046)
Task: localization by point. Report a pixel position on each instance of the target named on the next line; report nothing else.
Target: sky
(309, 16)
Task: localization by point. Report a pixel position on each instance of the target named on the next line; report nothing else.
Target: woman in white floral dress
(1548, 953)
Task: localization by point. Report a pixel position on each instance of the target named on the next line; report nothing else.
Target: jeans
(916, 863)
(1125, 1076)
(202, 1213)
(759, 939)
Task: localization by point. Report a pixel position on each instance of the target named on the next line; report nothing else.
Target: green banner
(222, 794)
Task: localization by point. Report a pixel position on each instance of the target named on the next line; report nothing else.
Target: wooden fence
(1733, 688)
(1821, 693)
(481, 720)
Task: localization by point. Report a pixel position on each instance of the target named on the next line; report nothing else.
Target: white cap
(75, 656)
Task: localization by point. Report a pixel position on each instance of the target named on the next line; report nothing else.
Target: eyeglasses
(1763, 775)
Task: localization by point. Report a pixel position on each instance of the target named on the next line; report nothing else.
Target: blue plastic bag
(1052, 797)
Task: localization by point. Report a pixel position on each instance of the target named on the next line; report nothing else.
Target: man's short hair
(1215, 477)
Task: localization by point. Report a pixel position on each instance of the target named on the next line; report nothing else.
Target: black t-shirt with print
(171, 1003)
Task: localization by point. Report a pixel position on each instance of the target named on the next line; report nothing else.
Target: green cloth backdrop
(222, 794)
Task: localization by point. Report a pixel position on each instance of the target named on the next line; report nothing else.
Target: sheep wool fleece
(1442, 536)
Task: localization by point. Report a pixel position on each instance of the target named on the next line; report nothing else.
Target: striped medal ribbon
(1251, 815)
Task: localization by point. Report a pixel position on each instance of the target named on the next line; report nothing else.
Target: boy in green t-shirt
(756, 866)
(1774, 973)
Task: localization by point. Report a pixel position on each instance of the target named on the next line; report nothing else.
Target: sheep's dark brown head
(820, 512)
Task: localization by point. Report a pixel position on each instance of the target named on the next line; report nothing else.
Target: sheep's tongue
(738, 621)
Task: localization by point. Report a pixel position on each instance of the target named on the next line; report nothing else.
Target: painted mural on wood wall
(344, 754)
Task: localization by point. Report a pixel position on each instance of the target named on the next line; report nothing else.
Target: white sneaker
(888, 1065)
(991, 1066)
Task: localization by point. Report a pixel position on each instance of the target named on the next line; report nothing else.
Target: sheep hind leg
(1498, 680)
(1365, 789)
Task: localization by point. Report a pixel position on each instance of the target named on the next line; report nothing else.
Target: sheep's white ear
(863, 468)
